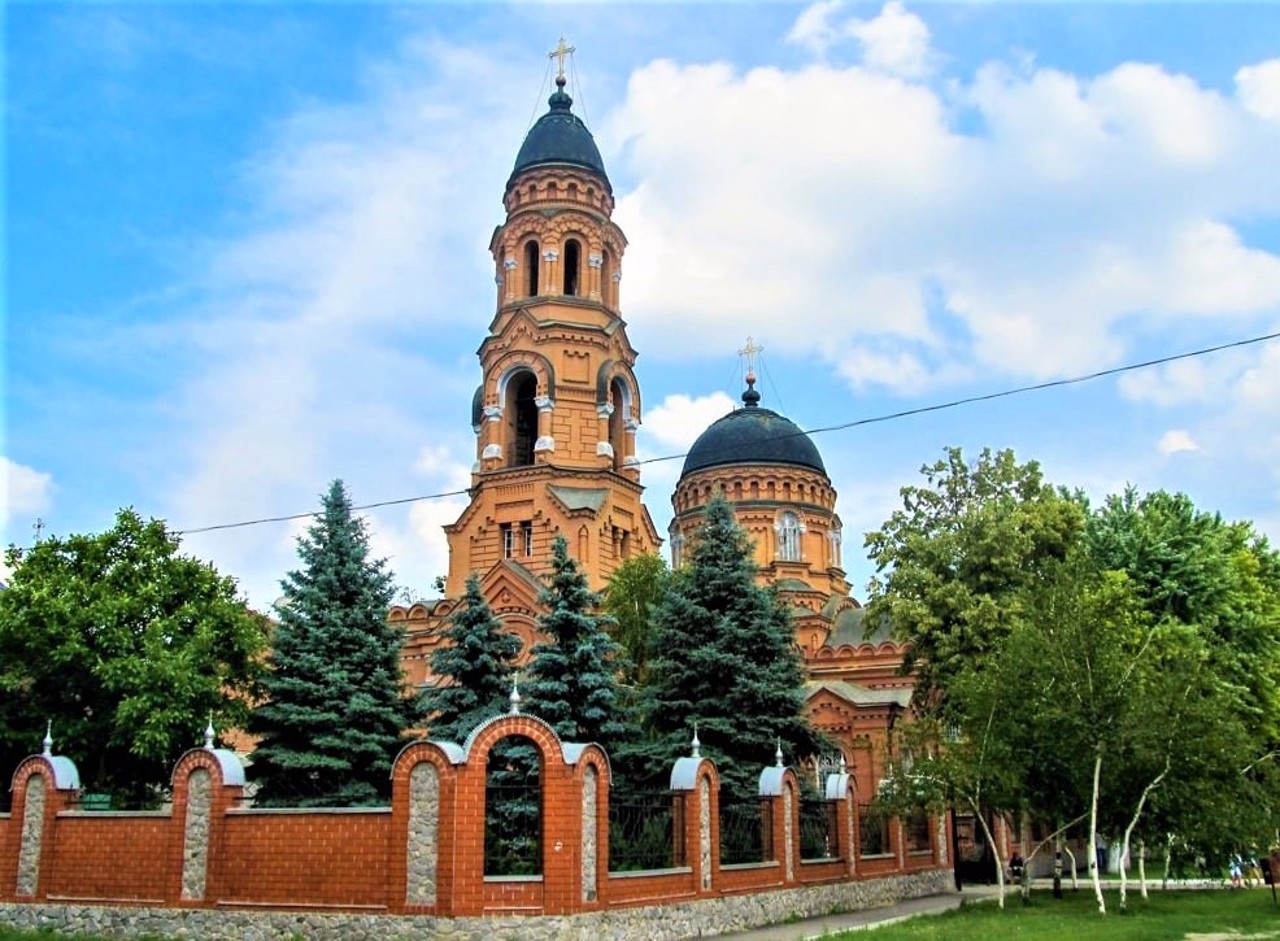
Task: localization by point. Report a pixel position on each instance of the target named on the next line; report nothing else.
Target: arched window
(522, 420)
(618, 422)
(572, 257)
(531, 268)
(789, 537)
(513, 809)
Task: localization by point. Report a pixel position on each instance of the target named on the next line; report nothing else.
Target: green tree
(1219, 583)
(336, 702)
(952, 563)
(127, 646)
(572, 678)
(724, 657)
(473, 667)
(634, 590)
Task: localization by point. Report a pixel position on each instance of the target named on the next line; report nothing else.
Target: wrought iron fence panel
(746, 832)
(918, 832)
(873, 828)
(818, 829)
(642, 832)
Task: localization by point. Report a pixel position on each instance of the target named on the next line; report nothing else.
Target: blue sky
(247, 246)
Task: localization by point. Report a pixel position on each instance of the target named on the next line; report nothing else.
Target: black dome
(753, 435)
(559, 137)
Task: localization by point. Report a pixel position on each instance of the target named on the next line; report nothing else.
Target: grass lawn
(1206, 915)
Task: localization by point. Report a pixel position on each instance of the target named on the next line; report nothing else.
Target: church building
(555, 418)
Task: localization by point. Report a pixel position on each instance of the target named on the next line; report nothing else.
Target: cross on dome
(559, 53)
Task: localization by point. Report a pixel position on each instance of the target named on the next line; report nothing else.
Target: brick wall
(313, 858)
(109, 856)
(423, 855)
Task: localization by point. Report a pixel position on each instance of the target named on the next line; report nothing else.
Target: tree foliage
(724, 657)
(1123, 663)
(126, 646)
(634, 590)
(336, 703)
(473, 668)
(953, 561)
(573, 677)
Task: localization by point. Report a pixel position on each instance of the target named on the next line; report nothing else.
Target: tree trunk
(1142, 867)
(995, 851)
(1168, 860)
(1075, 877)
(1093, 833)
(1128, 834)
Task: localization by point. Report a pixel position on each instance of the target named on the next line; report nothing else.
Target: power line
(843, 426)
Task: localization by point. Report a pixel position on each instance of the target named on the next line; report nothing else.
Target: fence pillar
(781, 787)
(42, 786)
(424, 813)
(696, 780)
(839, 791)
(206, 782)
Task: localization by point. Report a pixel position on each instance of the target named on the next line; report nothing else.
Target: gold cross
(559, 52)
(750, 351)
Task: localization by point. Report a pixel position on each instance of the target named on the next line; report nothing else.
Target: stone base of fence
(702, 918)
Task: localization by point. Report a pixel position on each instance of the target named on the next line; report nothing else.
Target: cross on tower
(750, 351)
(559, 52)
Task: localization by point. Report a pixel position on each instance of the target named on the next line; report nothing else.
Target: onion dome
(753, 435)
(559, 138)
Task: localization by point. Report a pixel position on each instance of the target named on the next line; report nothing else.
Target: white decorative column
(546, 440)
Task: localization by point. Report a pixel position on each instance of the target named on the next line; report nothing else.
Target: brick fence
(423, 855)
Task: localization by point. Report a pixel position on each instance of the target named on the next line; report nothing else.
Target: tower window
(531, 268)
(522, 432)
(517, 543)
(617, 423)
(572, 256)
(789, 537)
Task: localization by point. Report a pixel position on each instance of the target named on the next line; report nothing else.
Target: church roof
(753, 435)
(559, 137)
(858, 695)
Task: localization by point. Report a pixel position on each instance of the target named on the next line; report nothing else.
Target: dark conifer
(725, 659)
(573, 676)
(473, 669)
(335, 703)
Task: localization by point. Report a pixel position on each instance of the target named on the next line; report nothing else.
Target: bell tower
(558, 405)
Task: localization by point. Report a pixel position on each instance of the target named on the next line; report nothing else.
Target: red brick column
(781, 788)
(43, 785)
(207, 782)
(424, 773)
(696, 781)
(839, 791)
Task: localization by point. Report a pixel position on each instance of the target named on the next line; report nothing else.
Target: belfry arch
(521, 413)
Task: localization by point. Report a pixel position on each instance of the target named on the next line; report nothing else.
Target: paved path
(867, 918)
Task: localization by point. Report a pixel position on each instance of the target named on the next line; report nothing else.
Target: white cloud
(24, 490)
(895, 41)
(1258, 87)
(1177, 440)
(813, 28)
(679, 419)
(1076, 209)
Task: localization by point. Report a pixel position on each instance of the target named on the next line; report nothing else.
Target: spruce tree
(473, 668)
(724, 657)
(335, 702)
(573, 677)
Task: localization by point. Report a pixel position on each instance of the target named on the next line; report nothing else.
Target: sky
(246, 248)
